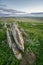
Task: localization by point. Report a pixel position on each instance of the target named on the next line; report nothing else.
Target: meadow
(34, 41)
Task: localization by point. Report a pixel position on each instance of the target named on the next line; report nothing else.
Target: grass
(35, 37)
(34, 31)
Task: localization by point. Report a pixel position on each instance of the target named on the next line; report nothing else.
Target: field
(33, 42)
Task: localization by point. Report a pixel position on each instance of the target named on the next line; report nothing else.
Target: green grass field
(34, 31)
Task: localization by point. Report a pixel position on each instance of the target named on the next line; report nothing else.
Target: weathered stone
(17, 37)
(12, 45)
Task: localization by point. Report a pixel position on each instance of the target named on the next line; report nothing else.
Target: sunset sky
(23, 5)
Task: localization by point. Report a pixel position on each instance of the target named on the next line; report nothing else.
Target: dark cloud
(10, 10)
(3, 7)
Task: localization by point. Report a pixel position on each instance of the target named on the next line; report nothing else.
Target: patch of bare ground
(28, 58)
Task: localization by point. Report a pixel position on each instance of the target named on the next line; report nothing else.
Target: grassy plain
(34, 29)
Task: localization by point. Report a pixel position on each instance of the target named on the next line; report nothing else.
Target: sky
(27, 6)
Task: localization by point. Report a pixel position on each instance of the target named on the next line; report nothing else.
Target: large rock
(8, 38)
(18, 37)
(12, 45)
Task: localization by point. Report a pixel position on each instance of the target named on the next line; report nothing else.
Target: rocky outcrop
(18, 37)
(12, 45)
(15, 40)
(8, 38)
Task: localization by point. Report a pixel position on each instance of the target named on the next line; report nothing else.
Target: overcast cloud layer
(15, 7)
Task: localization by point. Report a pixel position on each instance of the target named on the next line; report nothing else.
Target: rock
(17, 37)
(12, 45)
(8, 38)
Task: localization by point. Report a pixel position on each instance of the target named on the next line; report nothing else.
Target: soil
(28, 58)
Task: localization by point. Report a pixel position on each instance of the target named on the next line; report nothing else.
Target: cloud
(5, 10)
(10, 10)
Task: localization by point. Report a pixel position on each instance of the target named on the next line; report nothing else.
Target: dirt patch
(28, 58)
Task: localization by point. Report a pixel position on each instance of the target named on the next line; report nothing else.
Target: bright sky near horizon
(23, 5)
